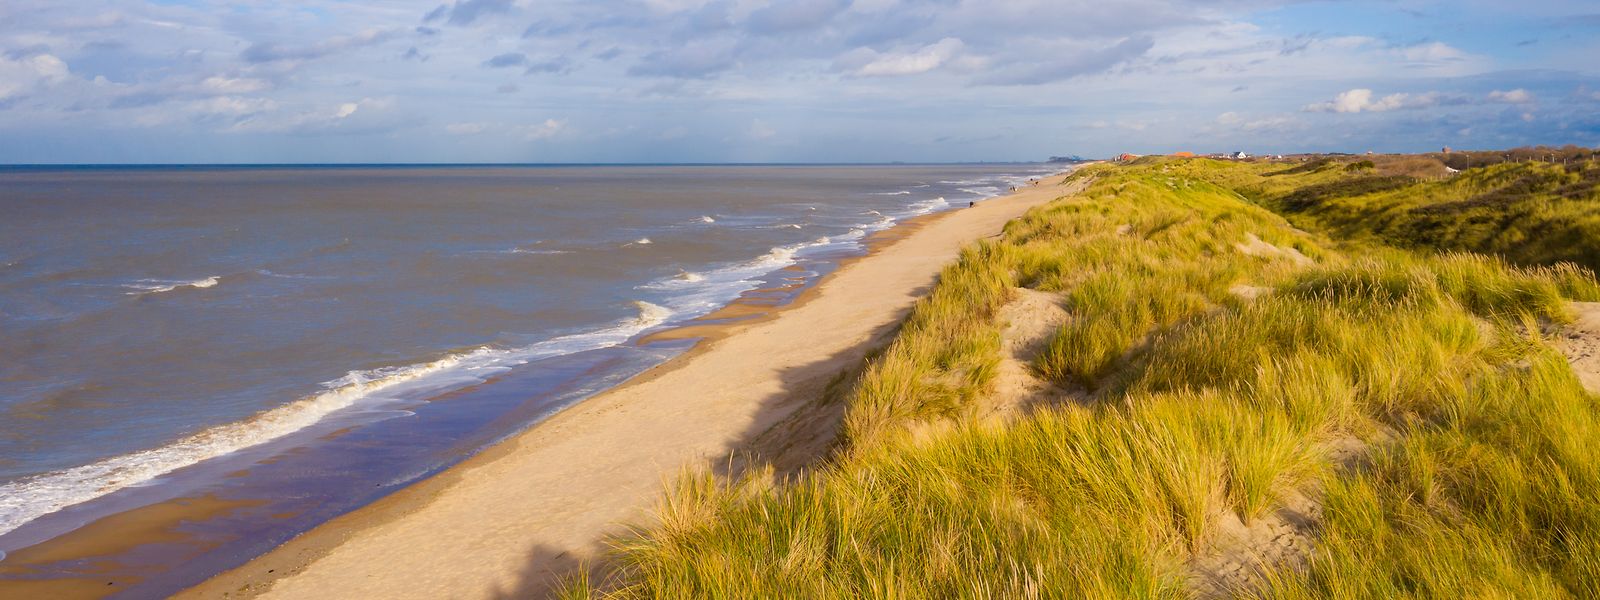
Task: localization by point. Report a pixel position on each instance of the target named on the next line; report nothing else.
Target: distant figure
(971, 204)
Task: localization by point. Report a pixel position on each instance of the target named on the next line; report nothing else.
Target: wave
(157, 286)
(26, 499)
(707, 219)
(639, 242)
(899, 193)
(928, 206)
(269, 273)
(697, 293)
(650, 315)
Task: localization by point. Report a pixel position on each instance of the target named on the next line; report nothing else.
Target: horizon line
(512, 164)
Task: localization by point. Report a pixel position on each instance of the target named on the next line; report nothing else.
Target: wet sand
(509, 520)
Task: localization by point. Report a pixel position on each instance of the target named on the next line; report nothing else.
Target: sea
(272, 346)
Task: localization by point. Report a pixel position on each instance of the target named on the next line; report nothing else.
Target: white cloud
(233, 105)
(1432, 53)
(1363, 100)
(922, 60)
(866, 77)
(22, 74)
(1516, 96)
(366, 115)
(217, 84)
(543, 131)
(1233, 120)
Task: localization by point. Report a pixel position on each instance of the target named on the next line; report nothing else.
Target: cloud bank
(783, 80)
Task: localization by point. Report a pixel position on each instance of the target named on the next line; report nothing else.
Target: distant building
(1127, 157)
(1241, 155)
(1183, 154)
(1447, 150)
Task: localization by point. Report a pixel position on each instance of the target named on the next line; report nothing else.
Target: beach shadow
(544, 571)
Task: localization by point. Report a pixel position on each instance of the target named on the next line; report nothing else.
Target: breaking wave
(157, 286)
(29, 498)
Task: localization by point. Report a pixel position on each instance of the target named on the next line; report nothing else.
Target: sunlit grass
(1481, 478)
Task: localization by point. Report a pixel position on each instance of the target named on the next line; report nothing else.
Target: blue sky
(784, 81)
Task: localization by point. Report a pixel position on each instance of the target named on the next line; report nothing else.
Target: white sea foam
(156, 286)
(927, 206)
(30, 498)
(639, 242)
(883, 222)
(899, 193)
(694, 294)
(707, 219)
(537, 251)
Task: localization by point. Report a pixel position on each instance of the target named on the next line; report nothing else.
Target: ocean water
(164, 326)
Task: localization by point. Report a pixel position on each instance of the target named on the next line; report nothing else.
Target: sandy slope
(498, 525)
(1582, 344)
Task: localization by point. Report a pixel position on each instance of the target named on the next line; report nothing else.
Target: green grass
(1527, 212)
(1481, 479)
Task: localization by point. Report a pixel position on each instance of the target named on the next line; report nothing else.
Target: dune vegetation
(1528, 212)
(1361, 400)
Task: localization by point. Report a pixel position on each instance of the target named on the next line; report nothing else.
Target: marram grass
(1481, 477)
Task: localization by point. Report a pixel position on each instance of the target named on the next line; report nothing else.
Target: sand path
(502, 523)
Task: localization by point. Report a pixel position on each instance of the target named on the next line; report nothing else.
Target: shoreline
(530, 535)
(277, 491)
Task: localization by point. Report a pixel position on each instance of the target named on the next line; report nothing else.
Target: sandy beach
(509, 521)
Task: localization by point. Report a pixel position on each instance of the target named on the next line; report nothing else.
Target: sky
(620, 81)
